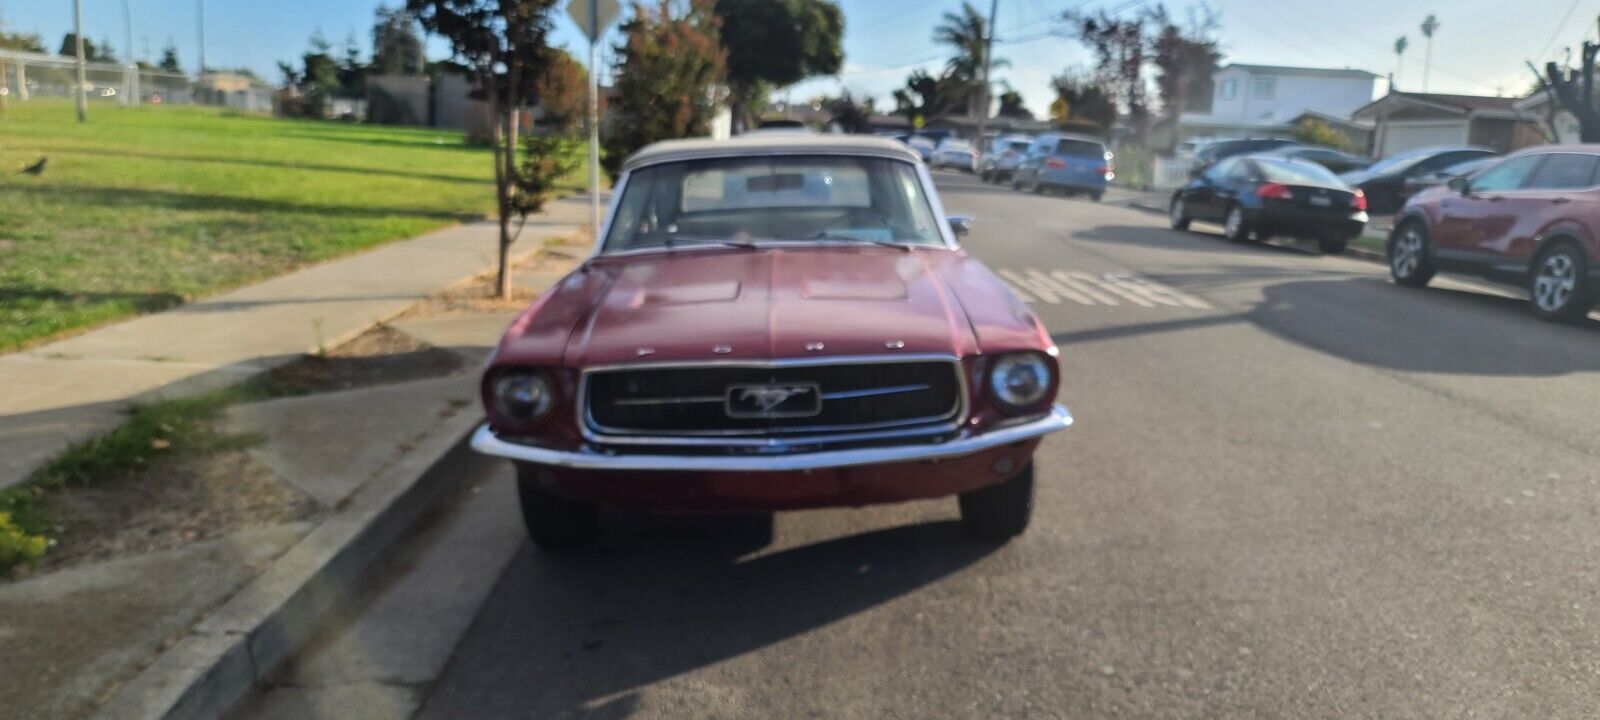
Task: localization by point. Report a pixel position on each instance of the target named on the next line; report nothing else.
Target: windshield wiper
(825, 235)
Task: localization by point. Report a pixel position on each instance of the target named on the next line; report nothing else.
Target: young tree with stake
(503, 44)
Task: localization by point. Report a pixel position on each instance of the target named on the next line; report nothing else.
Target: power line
(1379, 46)
(1559, 27)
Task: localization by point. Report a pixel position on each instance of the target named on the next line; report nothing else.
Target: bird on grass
(37, 168)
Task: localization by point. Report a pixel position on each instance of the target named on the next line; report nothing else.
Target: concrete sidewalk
(75, 389)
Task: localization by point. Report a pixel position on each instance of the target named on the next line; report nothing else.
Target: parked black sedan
(1262, 195)
(1384, 182)
(1335, 160)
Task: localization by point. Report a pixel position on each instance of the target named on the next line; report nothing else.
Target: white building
(1264, 100)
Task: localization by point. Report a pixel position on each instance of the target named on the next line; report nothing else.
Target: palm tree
(1430, 24)
(1400, 45)
(966, 32)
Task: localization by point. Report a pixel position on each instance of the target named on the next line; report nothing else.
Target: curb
(211, 670)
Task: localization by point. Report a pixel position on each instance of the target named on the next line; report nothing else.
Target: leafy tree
(1314, 131)
(1081, 97)
(928, 97)
(91, 51)
(1185, 58)
(1118, 45)
(504, 46)
(396, 46)
(775, 43)
(853, 115)
(1012, 105)
(26, 42)
(352, 71)
(1573, 89)
(563, 91)
(667, 79)
(169, 58)
(319, 76)
(555, 149)
(966, 33)
(105, 52)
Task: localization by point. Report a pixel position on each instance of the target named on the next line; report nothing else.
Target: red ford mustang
(772, 323)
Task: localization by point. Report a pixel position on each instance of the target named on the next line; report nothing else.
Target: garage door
(1403, 136)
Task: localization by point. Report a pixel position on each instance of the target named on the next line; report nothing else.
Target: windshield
(1398, 162)
(1080, 148)
(1296, 173)
(833, 199)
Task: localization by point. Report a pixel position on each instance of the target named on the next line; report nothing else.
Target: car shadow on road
(1368, 320)
(577, 635)
(1191, 240)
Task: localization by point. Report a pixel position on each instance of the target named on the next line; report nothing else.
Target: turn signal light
(1359, 201)
(1274, 191)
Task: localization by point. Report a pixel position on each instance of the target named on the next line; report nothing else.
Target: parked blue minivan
(1066, 163)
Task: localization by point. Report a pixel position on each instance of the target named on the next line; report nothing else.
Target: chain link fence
(24, 76)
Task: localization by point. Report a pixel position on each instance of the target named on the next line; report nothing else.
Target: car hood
(808, 301)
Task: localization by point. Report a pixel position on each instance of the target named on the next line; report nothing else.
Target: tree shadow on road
(563, 636)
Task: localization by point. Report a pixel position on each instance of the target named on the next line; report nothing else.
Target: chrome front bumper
(485, 441)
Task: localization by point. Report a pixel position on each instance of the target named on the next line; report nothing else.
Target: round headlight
(523, 394)
(1020, 380)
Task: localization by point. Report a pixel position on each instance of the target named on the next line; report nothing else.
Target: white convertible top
(770, 144)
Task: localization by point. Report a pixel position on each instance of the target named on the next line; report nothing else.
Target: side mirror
(961, 225)
(1461, 185)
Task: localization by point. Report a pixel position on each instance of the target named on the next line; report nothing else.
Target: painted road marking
(1108, 289)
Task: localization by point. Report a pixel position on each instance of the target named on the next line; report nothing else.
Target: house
(1563, 125)
(1407, 120)
(1266, 100)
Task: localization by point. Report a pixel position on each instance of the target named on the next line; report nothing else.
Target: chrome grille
(703, 401)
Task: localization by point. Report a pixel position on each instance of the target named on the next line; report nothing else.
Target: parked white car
(953, 153)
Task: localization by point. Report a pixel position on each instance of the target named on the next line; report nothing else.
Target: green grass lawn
(144, 208)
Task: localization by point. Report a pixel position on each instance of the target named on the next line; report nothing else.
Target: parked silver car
(955, 153)
(1002, 157)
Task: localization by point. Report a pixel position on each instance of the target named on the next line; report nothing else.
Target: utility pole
(83, 75)
(130, 84)
(983, 89)
(200, 25)
(1429, 25)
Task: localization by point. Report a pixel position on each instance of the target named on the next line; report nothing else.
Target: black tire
(1236, 231)
(1038, 187)
(1559, 285)
(1016, 183)
(999, 512)
(1333, 244)
(555, 523)
(1178, 213)
(1096, 196)
(986, 176)
(1410, 255)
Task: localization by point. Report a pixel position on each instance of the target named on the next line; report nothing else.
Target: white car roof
(769, 144)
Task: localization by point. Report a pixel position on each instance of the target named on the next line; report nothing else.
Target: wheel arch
(1559, 234)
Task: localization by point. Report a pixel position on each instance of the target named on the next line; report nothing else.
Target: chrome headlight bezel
(522, 395)
(1012, 389)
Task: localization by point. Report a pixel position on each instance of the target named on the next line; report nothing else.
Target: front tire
(1234, 225)
(1409, 263)
(555, 523)
(1000, 512)
(1178, 214)
(1559, 284)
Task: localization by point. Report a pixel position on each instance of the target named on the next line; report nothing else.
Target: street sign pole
(592, 17)
(594, 128)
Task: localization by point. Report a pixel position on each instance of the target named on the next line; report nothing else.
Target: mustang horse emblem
(799, 400)
(769, 397)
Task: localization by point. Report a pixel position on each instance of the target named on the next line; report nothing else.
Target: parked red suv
(1531, 219)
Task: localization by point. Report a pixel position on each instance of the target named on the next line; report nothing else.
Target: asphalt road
(1294, 490)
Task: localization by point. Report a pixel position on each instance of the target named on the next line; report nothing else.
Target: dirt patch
(379, 356)
(176, 500)
(478, 294)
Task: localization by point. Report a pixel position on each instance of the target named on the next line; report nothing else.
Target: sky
(1480, 47)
